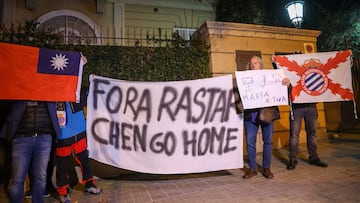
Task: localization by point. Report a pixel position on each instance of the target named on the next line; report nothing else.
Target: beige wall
(147, 16)
(41, 7)
(226, 38)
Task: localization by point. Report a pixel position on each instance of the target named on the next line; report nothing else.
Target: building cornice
(182, 4)
(251, 30)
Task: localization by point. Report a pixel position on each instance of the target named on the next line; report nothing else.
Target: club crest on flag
(314, 81)
(318, 77)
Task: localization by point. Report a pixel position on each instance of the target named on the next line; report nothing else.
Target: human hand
(285, 81)
(84, 59)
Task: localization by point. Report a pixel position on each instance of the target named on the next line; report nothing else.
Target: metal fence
(132, 36)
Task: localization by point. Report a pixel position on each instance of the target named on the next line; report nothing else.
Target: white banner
(164, 127)
(319, 77)
(261, 88)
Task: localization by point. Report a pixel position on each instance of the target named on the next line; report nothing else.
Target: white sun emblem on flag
(59, 62)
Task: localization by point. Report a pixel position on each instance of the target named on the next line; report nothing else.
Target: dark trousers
(78, 151)
(309, 114)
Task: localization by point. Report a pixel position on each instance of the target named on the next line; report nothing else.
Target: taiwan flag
(31, 73)
(318, 77)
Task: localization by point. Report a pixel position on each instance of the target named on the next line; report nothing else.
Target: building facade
(133, 22)
(110, 22)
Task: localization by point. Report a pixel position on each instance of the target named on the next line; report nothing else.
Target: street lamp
(295, 11)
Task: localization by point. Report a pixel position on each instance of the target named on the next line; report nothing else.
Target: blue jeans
(309, 114)
(251, 129)
(26, 151)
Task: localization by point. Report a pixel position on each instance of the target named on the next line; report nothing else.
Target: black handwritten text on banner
(261, 88)
(164, 127)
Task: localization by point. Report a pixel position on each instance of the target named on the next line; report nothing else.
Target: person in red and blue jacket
(71, 143)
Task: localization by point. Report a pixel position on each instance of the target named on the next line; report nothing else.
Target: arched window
(75, 27)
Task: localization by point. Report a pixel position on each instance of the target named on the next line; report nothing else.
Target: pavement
(340, 182)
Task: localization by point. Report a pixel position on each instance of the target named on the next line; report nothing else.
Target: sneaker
(29, 196)
(92, 191)
(65, 199)
(46, 194)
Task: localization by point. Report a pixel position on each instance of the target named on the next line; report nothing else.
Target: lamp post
(295, 11)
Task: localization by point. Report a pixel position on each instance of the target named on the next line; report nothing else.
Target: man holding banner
(320, 77)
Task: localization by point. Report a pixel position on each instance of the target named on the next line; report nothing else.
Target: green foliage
(179, 60)
(342, 32)
(260, 12)
(253, 11)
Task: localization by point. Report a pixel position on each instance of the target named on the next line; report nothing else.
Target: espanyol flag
(31, 73)
(319, 77)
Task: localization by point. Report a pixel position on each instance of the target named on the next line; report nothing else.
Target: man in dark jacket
(30, 127)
